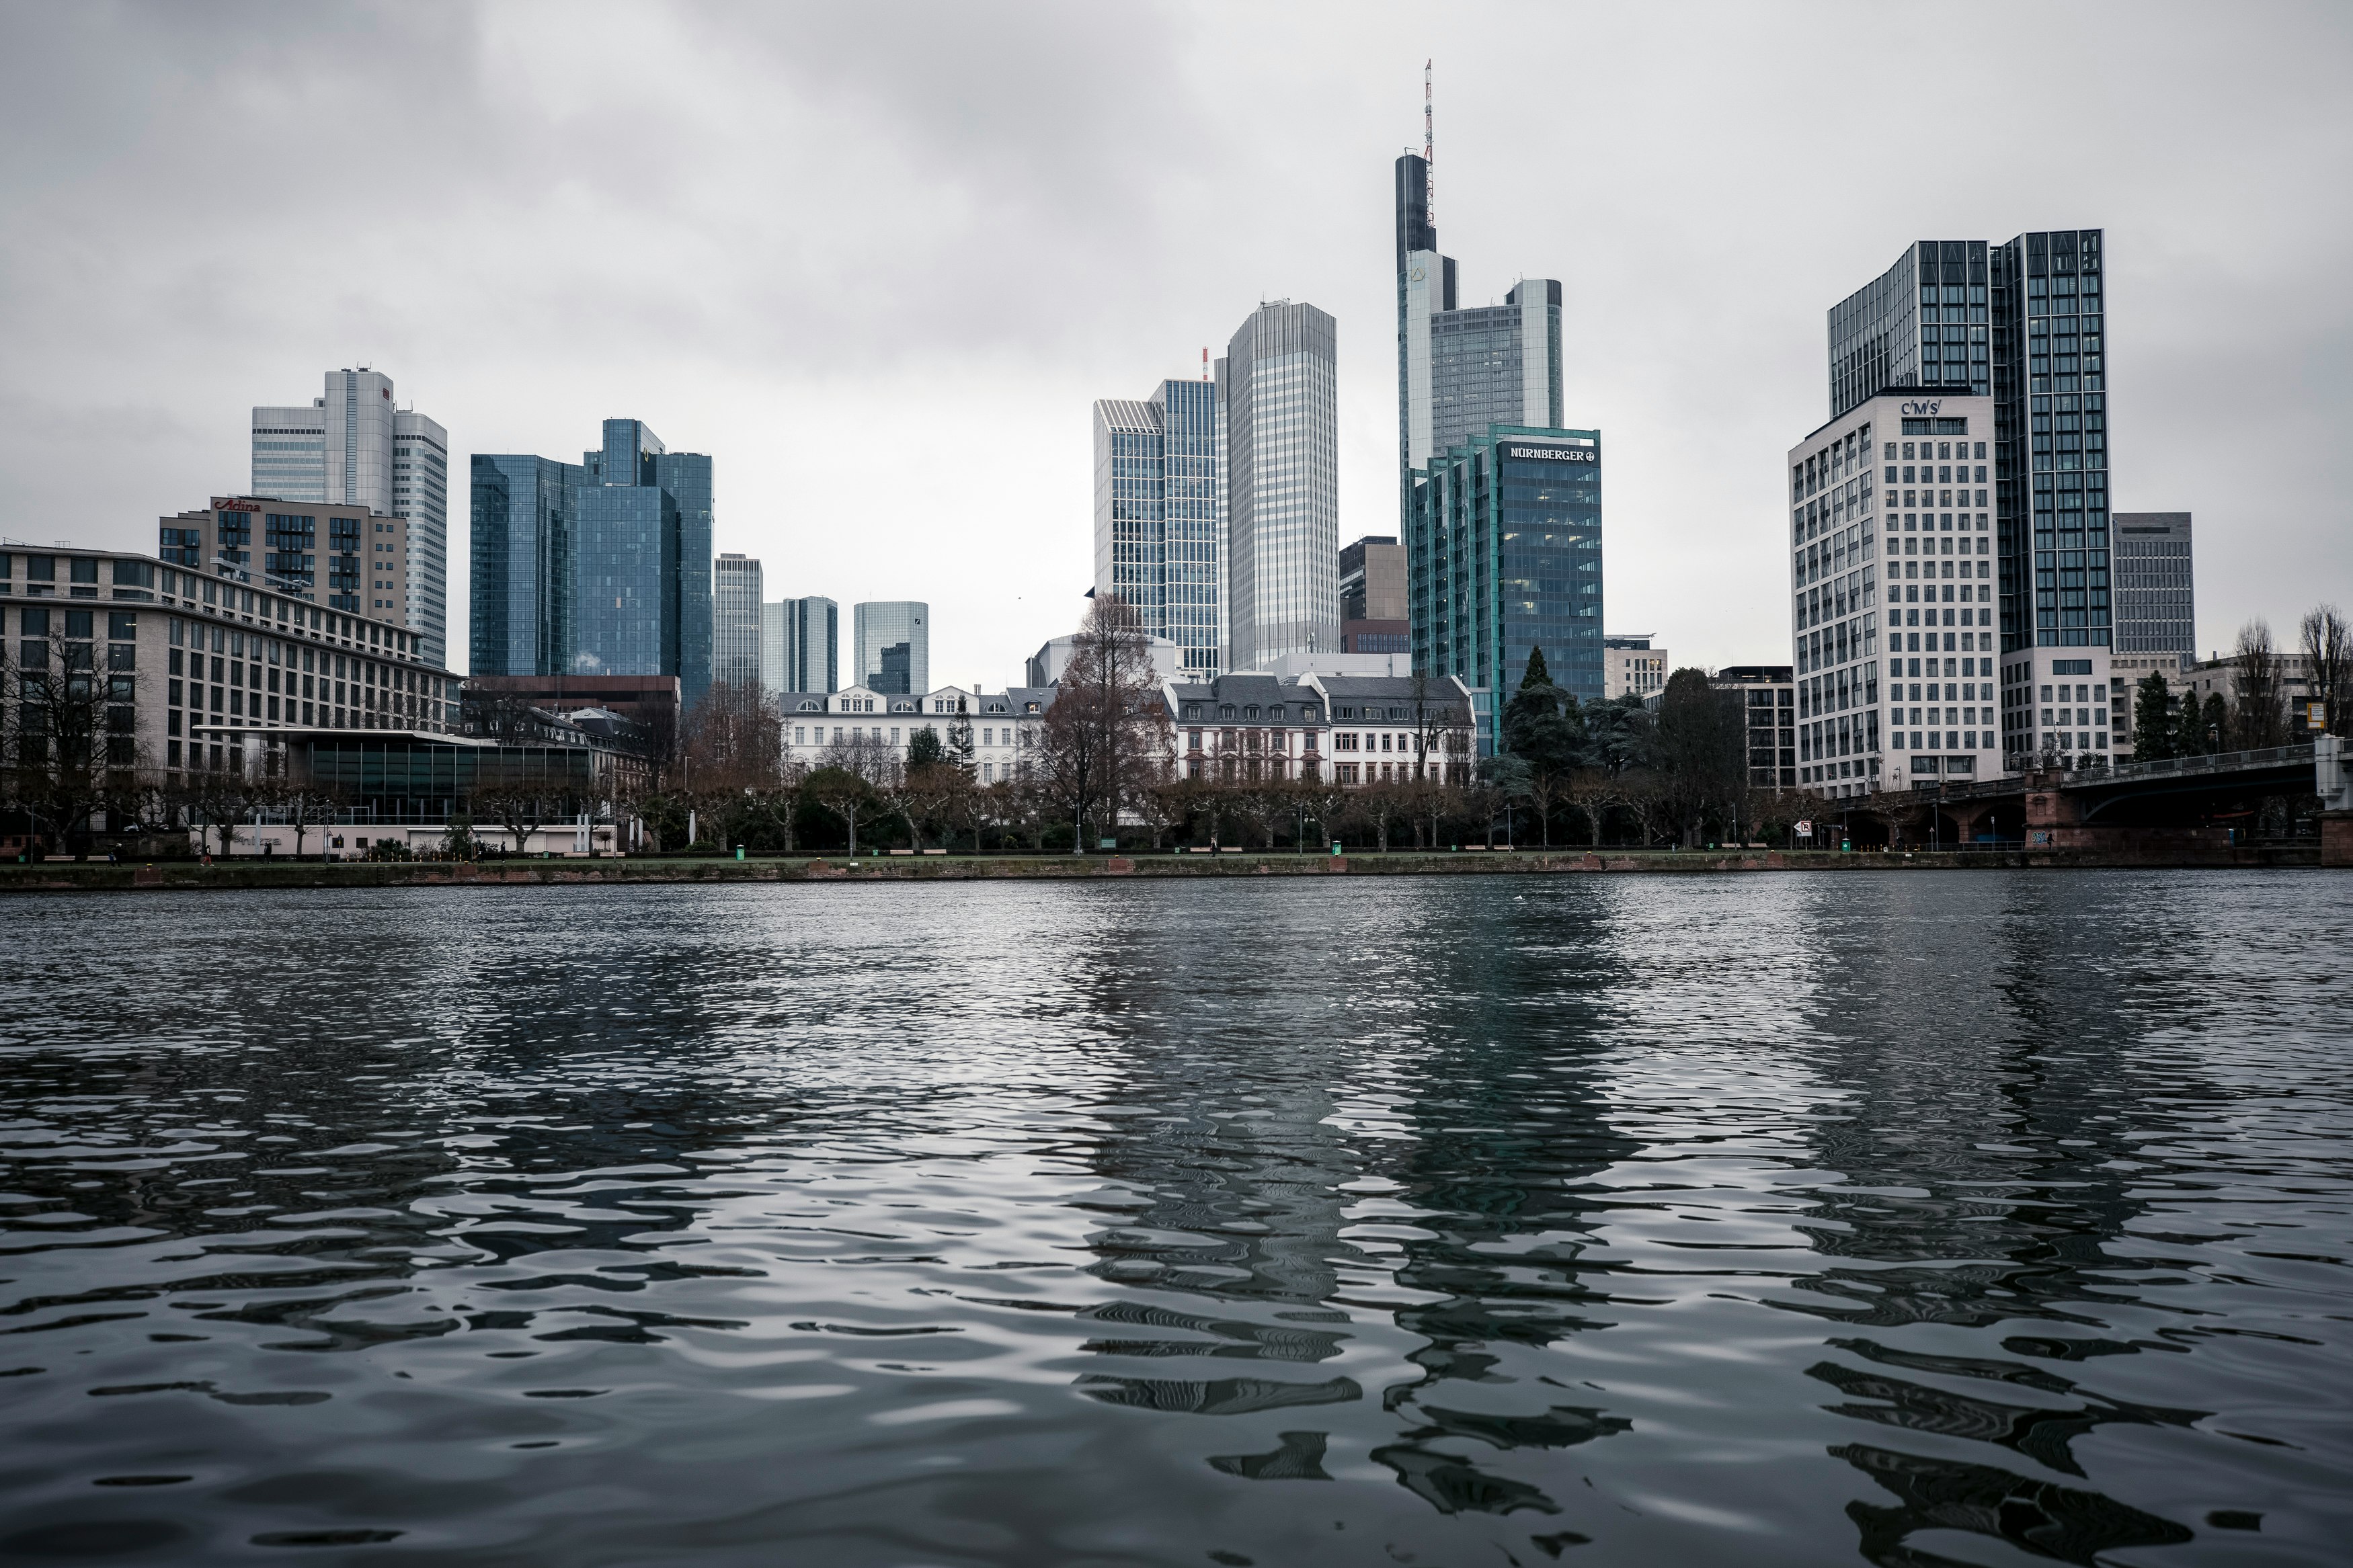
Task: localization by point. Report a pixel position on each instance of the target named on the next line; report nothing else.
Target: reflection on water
(1909, 1219)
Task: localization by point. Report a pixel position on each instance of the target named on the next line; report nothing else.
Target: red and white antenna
(1429, 152)
(1205, 362)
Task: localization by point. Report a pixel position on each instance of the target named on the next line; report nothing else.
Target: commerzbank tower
(1500, 507)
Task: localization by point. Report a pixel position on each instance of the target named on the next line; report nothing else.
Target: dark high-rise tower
(2051, 455)
(600, 569)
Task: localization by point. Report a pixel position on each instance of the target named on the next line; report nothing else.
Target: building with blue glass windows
(1160, 515)
(523, 513)
(1503, 556)
(602, 568)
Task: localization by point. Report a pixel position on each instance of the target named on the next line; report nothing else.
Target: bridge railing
(2221, 763)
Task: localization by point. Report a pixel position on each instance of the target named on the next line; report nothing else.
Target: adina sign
(1553, 454)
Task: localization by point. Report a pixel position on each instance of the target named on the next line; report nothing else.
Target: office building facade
(524, 513)
(812, 644)
(736, 626)
(2052, 490)
(772, 645)
(2155, 594)
(1504, 547)
(355, 446)
(602, 568)
(1373, 596)
(1768, 699)
(1892, 554)
(1925, 323)
(1630, 666)
(207, 673)
(340, 555)
(893, 639)
(1279, 383)
(2001, 345)
(1464, 371)
(1160, 514)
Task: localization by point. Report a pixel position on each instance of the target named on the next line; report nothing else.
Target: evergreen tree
(2215, 723)
(2153, 721)
(924, 749)
(1534, 728)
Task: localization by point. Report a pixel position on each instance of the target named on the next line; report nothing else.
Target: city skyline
(1607, 193)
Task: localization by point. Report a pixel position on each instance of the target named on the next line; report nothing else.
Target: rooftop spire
(1429, 152)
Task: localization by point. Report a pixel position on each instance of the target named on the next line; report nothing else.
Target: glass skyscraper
(1923, 322)
(600, 569)
(2021, 322)
(355, 446)
(524, 509)
(812, 644)
(1504, 550)
(893, 641)
(2050, 453)
(1160, 514)
(736, 631)
(1464, 371)
(1279, 381)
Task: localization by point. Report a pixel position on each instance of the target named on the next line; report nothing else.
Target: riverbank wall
(101, 876)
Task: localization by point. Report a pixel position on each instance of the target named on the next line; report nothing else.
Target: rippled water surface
(1905, 1219)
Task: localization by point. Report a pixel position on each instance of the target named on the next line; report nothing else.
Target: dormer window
(1226, 711)
(809, 706)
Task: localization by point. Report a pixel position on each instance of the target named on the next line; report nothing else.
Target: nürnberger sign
(1553, 454)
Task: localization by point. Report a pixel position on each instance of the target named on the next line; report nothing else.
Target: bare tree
(68, 746)
(2329, 653)
(853, 779)
(1107, 735)
(2256, 715)
(1379, 806)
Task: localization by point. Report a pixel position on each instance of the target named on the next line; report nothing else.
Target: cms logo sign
(1923, 407)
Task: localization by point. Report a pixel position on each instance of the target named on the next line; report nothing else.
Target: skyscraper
(1279, 381)
(602, 568)
(1504, 545)
(2157, 599)
(1160, 514)
(1500, 505)
(772, 645)
(736, 628)
(812, 644)
(354, 445)
(894, 647)
(1958, 339)
(1460, 372)
(523, 513)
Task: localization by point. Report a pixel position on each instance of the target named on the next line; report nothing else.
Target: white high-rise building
(355, 447)
(735, 620)
(1895, 577)
(1279, 383)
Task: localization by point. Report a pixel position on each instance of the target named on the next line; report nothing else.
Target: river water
(1908, 1218)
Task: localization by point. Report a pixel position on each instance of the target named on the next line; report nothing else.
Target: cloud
(879, 261)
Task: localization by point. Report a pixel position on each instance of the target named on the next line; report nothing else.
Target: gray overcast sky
(878, 260)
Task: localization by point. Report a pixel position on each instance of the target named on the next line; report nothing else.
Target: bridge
(2169, 803)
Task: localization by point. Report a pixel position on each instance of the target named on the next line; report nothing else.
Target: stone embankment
(66, 876)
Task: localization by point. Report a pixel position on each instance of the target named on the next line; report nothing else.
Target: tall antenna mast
(1428, 153)
(1205, 362)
